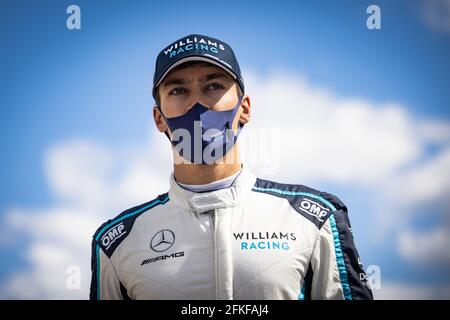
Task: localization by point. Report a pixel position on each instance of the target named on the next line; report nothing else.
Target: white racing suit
(257, 239)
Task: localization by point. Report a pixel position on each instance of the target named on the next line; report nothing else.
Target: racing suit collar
(218, 199)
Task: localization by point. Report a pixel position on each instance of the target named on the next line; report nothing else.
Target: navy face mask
(201, 135)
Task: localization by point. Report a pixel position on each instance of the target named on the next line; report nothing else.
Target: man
(220, 232)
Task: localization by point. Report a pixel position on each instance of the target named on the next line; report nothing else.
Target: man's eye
(177, 91)
(214, 86)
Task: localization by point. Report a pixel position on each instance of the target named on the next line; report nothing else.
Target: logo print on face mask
(162, 240)
(203, 136)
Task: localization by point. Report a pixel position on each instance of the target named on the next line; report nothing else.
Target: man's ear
(159, 119)
(246, 108)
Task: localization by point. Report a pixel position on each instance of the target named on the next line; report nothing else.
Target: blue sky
(57, 85)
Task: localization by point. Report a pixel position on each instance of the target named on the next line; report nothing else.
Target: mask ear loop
(240, 125)
(162, 114)
(229, 125)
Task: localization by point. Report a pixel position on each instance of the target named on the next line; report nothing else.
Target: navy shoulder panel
(114, 231)
(314, 205)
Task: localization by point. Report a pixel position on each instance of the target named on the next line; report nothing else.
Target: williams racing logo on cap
(193, 43)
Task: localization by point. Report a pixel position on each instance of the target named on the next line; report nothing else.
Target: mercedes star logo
(162, 240)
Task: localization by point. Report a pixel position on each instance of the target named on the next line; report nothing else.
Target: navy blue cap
(196, 47)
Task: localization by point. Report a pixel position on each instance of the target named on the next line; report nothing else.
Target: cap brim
(205, 58)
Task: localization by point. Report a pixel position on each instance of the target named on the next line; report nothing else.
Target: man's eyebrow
(216, 75)
(211, 76)
(173, 81)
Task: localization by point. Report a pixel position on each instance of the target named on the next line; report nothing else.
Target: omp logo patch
(314, 209)
(112, 235)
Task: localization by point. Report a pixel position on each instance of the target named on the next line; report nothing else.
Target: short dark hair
(186, 65)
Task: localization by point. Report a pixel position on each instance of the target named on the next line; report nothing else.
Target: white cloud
(405, 291)
(92, 176)
(327, 138)
(426, 246)
(65, 226)
(80, 173)
(91, 184)
(427, 181)
(321, 138)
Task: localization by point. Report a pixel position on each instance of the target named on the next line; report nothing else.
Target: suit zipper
(213, 220)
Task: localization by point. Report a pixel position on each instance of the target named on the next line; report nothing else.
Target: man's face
(200, 82)
(203, 82)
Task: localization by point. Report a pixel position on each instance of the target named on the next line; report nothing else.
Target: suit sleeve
(105, 284)
(335, 268)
